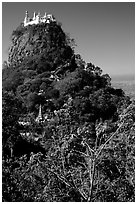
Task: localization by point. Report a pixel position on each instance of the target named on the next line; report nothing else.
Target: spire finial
(26, 13)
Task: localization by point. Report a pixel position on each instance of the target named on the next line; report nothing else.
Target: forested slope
(83, 149)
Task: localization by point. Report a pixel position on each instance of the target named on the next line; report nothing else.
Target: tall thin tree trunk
(11, 152)
(92, 174)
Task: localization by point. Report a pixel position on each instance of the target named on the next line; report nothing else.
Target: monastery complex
(37, 18)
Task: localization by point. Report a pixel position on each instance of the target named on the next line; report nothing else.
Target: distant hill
(125, 82)
(126, 77)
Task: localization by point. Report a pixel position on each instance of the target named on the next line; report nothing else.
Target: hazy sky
(104, 32)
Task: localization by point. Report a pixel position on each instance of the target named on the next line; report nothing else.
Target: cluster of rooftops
(37, 18)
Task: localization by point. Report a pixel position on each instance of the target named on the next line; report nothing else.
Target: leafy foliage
(11, 110)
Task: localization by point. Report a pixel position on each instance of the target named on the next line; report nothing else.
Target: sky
(104, 32)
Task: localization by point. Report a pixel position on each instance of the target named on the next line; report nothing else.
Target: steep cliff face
(36, 52)
(47, 40)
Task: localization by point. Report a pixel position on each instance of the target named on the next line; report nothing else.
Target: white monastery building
(37, 18)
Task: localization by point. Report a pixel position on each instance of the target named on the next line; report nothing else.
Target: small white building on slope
(37, 18)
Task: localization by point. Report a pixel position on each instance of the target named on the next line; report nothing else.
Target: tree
(11, 110)
(74, 170)
(91, 170)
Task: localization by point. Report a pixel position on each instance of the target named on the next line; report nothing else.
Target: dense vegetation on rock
(83, 150)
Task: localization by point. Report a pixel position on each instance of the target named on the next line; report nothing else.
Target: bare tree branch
(96, 142)
(102, 146)
(92, 174)
(82, 164)
(59, 177)
(85, 155)
(89, 148)
(81, 193)
(68, 184)
(96, 154)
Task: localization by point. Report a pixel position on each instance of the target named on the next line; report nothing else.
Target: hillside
(66, 129)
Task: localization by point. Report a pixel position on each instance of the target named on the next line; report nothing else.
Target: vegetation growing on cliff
(83, 150)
